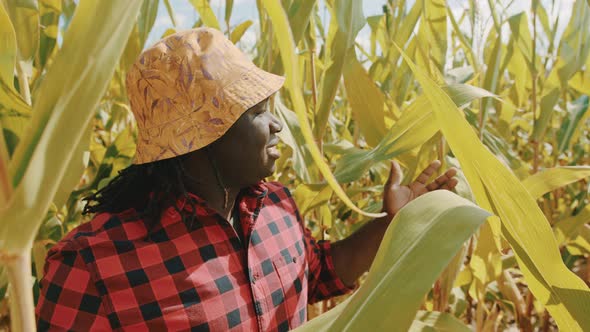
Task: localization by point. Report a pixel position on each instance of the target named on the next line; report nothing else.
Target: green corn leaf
(49, 11)
(286, 44)
(435, 226)
(576, 112)
(170, 12)
(574, 48)
(146, 19)
(63, 106)
(300, 13)
(348, 23)
(553, 178)
(548, 103)
(293, 137)
(229, 7)
(525, 227)
(414, 128)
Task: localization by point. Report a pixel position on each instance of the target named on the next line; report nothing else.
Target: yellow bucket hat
(188, 89)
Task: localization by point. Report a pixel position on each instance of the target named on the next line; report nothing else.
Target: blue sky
(243, 10)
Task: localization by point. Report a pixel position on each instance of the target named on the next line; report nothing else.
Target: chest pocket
(291, 267)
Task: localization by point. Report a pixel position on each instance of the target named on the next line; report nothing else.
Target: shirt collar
(258, 190)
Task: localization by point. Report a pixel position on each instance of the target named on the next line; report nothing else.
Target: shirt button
(294, 259)
(255, 277)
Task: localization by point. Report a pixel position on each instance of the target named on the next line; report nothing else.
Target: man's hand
(396, 196)
(353, 255)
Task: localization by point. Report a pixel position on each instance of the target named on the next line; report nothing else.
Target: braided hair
(147, 188)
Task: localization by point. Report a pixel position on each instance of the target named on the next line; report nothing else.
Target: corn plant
(507, 105)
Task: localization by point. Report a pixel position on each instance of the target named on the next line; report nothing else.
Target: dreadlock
(147, 188)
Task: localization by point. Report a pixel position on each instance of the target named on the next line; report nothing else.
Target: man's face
(247, 153)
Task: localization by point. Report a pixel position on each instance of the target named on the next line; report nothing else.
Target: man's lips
(272, 149)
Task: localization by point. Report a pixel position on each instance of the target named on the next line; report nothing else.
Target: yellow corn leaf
(309, 196)
(24, 15)
(239, 31)
(566, 297)
(434, 225)
(287, 49)
(552, 178)
(433, 321)
(8, 47)
(206, 13)
(434, 27)
(567, 228)
(366, 100)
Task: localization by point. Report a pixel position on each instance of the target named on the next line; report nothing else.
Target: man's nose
(275, 124)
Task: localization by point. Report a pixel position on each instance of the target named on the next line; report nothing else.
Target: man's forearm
(354, 255)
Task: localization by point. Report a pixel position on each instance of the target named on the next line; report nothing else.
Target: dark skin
(247, 153)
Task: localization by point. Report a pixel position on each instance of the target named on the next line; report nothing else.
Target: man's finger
(395, 174)
(427, 173)
(450, 185)
(440, 181)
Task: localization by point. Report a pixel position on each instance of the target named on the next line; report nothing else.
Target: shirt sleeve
(68, 299)
(323, 282)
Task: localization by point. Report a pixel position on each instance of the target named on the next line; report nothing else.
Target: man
(190, 237)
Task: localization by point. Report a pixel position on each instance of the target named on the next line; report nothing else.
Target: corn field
(502, 95)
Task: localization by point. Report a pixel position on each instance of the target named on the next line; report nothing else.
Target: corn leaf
(434, 28)
(432, 321)
(553, 178)
(170, 12)
(414, 128)
(349, 21)
(292, 136)
(146, 19)
(525, 227)
(366, 100)
(49, 13)
(548, 103)
(206, 13)
(576, 112)
(239, 31)
(434, 225)
(24, 15)
(63, 106)
(8, 47)
(287, 47)
(300, 13)
(574, 48)
(568, 228)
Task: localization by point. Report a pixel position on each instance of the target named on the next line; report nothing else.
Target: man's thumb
(395, 174)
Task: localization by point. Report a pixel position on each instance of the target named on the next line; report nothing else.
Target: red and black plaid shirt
(114, 273)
